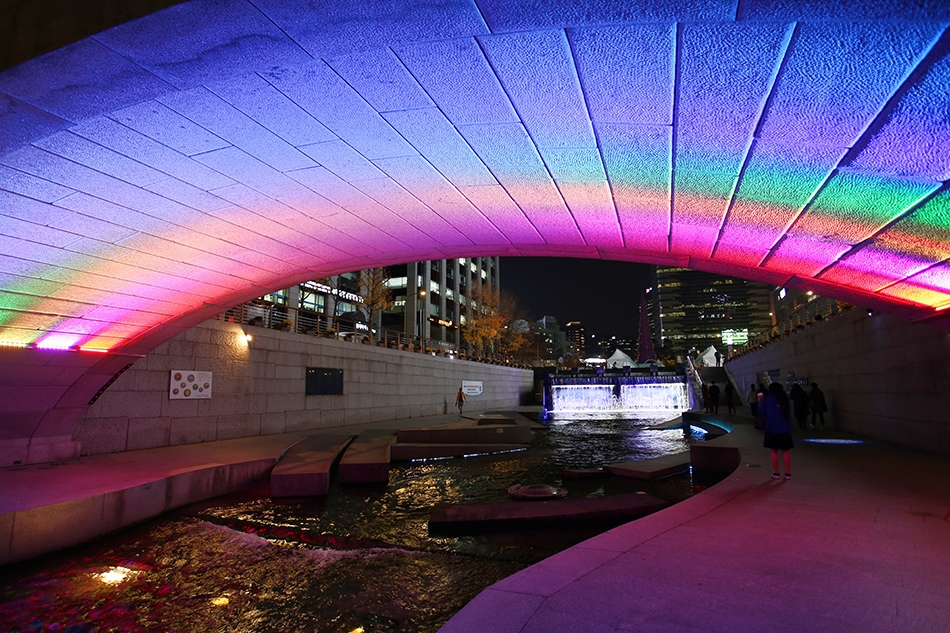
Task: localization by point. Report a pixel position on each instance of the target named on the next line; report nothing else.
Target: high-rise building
(698, 309)
(576, 338)
(555, 340)
(430, 299)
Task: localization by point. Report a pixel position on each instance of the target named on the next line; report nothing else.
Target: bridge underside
(170, 167)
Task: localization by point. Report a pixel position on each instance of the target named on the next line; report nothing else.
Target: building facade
(697, 309)
(430, 299)
(576, 338)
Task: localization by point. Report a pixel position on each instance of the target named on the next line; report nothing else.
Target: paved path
(858, 540)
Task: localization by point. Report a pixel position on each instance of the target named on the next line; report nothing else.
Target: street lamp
(422, 296)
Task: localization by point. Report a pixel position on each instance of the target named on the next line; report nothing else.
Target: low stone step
(366, 460)
(653, 468)
(492, 418)
(401, 451)
(475, 434)
(481, 516)
(304, 470)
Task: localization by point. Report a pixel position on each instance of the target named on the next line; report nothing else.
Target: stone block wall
(883, 378)
(259, 389)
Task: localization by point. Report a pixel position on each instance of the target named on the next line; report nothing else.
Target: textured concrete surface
(882, 377)
(651, 468)
(304, 470)
(259, 389)
(857, 540)
(366, 460)
(483, 515)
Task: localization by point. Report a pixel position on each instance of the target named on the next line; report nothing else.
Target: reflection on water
(360, 558)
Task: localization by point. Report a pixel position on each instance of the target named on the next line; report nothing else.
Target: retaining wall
(258, 388)
(883, 378)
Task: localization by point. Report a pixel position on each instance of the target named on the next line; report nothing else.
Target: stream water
(362, 559)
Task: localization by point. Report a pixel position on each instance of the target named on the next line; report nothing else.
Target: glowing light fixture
(114, 575)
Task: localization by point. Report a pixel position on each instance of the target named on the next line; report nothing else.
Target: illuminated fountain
(610, 395)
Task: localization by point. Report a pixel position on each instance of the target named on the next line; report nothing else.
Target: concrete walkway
(858, 540)
(48, 507)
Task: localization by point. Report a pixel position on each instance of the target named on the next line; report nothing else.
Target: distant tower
(645, 349)
(575, 335)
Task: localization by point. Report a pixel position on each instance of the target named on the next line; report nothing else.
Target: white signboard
(189, 385)
(472, 387)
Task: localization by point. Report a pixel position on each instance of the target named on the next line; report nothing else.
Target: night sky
(604, 296)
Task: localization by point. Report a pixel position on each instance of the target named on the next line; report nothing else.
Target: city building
(607, 345)
(697, 309)
(429, 299)
(576, 338)
(555, 341)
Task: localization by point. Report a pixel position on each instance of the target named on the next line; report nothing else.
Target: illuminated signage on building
(336, 292)
(735, 337)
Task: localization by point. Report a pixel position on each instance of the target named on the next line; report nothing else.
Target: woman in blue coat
(778, 428)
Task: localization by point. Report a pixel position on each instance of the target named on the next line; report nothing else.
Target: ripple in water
(361, 559)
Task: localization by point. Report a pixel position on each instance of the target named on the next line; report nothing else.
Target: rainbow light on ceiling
(149, 178)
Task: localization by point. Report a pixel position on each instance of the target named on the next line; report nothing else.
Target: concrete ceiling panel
(155, 173)
(627, 73)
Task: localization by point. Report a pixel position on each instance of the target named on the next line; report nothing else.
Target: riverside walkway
(858, 540)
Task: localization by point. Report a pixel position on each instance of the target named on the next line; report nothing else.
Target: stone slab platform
(649, 469)
(402, 452)
(494, 418)
(304, 470)
(471, 434)
(366, 459)
(454, 517)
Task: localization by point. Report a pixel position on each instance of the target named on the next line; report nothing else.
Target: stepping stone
(304, 470)
(474, 516)
(404, 451)
(651, 468)
(366, 460)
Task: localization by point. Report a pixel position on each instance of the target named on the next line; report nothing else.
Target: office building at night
(429, 299)
(698, 309)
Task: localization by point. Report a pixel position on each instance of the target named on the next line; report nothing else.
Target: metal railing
(276, 317)
(811, 313)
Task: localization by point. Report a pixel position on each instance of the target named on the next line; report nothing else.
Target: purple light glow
(143, 178)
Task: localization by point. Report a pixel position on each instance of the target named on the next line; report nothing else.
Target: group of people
(778, 408)
(711, 395)
(803, 403)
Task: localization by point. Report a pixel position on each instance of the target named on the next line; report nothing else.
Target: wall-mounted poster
(189, 385)
(472, 387)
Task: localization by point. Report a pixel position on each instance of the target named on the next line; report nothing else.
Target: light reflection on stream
(362, 557)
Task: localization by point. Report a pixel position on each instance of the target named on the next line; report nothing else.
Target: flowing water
(361, 559)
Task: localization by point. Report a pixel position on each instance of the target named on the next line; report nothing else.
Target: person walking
(778, 428)
(705, 392)
(714, 398)
(799, 405)
(460, 400)
(753, 399)
(730, 392)
(816, 399)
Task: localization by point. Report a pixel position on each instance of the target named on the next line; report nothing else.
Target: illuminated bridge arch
(170, 167)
